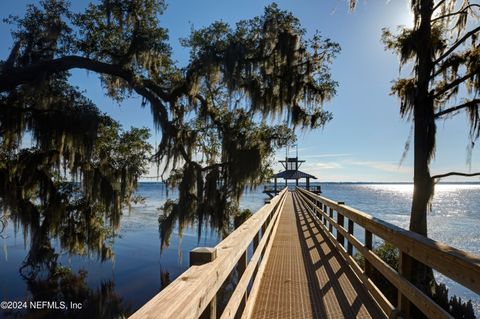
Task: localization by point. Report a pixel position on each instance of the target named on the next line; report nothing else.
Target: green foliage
(455, 306)
(406, 42)
(125, 33)
(267, 59)
(389, 254)
(118, 161)
(83, 216)
(71, 179)
(43, 33)
(386, 251)
(241, 217)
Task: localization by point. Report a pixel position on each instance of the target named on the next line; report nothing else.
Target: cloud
(328, 165)
(346, 162)
(326, 155)
(383, 166)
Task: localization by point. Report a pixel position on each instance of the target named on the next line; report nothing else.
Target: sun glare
(399, 13)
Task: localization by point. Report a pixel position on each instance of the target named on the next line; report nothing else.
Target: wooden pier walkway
(306, 276)
(294, 259)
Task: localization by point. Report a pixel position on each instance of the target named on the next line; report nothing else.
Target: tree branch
(456, 44)
(17, 76)
(455, 174)
(455, 13)
(22, 75)
(144, 87)
(453, 84)
(438, 5)
(7, 65)
(471, 103)
(209, 167)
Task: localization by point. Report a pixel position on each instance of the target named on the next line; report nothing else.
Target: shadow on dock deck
(306, 276)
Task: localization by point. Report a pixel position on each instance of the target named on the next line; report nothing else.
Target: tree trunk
(424, 142)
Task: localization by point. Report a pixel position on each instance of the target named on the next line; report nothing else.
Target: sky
(365, 140)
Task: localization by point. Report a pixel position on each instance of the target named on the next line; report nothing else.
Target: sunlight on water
(396, 188)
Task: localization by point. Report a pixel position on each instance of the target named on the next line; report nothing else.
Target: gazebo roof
(293, 174)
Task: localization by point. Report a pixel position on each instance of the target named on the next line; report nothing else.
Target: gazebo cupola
(291, 172)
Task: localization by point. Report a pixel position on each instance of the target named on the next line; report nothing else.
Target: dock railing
(338, 221)
(193, 293)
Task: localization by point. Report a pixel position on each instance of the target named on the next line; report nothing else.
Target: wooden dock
(306, 277)
(294, 259)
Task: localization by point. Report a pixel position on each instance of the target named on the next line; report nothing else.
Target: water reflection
(164, 278)
(52, 230)
(65, 289)
(70, 257)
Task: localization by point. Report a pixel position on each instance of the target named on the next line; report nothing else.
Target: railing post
(405, 268)
(320, 210)
(324, 210)
(340, 222)
(368, 245)
(330, 213)
(200, 256)
(241, 266)
(350, 231)
(256, 240)
(264, 227)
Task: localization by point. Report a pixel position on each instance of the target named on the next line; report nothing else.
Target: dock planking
(306, 277)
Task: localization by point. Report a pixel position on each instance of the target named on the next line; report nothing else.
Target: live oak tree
(214, 115)
(69, 136)
(244, 83)
(443, 53)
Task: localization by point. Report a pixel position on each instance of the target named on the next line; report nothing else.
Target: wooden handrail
(190, 294)
(458, 265)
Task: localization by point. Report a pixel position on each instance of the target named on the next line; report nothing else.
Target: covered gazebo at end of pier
(291, 172)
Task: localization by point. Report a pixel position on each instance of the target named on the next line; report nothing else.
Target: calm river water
(136, 272)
